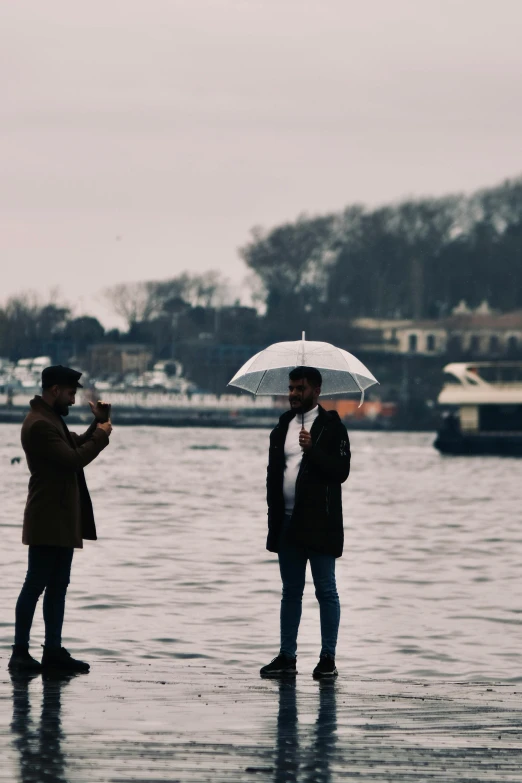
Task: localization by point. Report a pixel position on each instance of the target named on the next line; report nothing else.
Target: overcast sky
(141, 139)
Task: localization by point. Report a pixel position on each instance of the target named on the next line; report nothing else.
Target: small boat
(481, 405)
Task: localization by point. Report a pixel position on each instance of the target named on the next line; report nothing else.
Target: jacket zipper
(302, 463)
(317, 441)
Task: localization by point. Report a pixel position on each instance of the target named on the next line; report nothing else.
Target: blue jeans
(49, 569)
(292, 564)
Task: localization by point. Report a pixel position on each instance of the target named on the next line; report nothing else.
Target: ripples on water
(430, 582)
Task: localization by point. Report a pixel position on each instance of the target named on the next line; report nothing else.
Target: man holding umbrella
(309, 459)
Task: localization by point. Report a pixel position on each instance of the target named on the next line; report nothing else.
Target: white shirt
(294, 455)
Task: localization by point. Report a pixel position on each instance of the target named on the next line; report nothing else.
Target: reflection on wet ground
(196, 724)
(38, 741)
(311, 761)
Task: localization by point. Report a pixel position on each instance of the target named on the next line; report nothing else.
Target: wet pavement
(196, 723)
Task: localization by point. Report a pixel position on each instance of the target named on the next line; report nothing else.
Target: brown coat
(58, 510)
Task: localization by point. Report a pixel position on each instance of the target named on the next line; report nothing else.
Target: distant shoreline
(251, 419)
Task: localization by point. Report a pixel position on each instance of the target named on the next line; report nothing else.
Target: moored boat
(481, 406)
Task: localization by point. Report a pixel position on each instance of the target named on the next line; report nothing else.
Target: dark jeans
(292, 564)
(49, 569)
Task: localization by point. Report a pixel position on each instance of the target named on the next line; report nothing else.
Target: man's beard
(302, 406)
(61, 410)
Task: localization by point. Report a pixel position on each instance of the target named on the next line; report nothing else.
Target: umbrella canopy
(267, 372)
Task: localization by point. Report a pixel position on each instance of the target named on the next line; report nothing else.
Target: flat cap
(61, 376)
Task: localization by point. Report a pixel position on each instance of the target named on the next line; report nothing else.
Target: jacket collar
(287, 416)
(323, 418)
(38, 405)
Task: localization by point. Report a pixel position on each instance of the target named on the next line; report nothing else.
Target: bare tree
(145, 301)
(135, 302)
(209, 289)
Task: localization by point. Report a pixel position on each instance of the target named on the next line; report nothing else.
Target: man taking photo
(58, 514)
(309, 459)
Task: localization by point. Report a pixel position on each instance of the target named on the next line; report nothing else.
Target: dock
(158, 721)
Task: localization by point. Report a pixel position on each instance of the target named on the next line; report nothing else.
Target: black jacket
(317, 519)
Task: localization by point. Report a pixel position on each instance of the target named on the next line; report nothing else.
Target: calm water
(430, 583)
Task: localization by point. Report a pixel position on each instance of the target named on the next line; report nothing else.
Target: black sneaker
(21, 661)
(58, 659)
(325, 668)
(282, 666)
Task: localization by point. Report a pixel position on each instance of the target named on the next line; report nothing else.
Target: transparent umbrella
(266, 373)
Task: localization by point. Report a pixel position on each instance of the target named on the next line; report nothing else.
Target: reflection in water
(39, 747)
(313, 760)
(325, 736)
(287, 740)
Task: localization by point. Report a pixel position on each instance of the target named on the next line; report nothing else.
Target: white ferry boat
(482, 409)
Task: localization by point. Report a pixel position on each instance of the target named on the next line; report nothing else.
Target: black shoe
(282, 666)
(21, 661)
(325, 668)
(58, 659)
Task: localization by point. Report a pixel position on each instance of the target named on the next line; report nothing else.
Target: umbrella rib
(260, 382)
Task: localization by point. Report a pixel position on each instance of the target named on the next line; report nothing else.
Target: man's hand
(101, 411)
(106, 426)
(305, 440)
